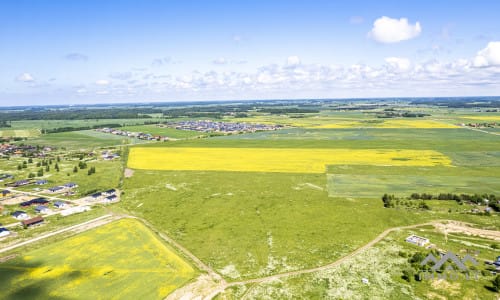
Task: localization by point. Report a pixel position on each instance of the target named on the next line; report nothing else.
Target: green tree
(496, 283)
(40, 173)
(30, 160)
(47, 168)
(75, 169)
(56, 167)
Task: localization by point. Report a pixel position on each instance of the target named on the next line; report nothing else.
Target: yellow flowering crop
(288, 160)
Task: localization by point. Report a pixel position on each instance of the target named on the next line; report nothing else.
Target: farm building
(32, 222)
(42, 209)
(5, 193)
(110, 198)
(41, 182)
(60, 204)
(4, 232)
(19, 215)
(109, 192)
(417, 240)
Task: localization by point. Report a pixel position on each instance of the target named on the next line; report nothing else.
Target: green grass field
(120, 260)
(76, 140)
(107, 174)
(170, 132)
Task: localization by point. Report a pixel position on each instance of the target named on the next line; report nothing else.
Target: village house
(42, 209)
(41, 182)
(32, 222)
(60, 204)
(5, 193)
(110, 198)
(19, 215)
(4, 232)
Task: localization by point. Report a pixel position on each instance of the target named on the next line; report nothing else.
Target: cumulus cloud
(25, 77)
(387, 30)
(76, 57)
(489, 56)
(219, 61)
(102, 82)
(398, 63)
(293, 61)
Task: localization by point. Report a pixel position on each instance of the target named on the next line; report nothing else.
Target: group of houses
(132, 134)
(104, 197)
(62, 188)
(224, 127)
(108, 155)
(20, 150)
(481, 125)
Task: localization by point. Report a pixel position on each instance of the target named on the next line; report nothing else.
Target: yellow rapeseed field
(120, 260)
(289, 160)
(393, 123)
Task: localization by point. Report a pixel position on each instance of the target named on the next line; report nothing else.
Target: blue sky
(131, 51)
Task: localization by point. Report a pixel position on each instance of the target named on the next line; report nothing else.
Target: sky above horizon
(77, 52)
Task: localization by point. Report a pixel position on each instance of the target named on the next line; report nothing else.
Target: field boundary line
(47, 235)
(201, 265)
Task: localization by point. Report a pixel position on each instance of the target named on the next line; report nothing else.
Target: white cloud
(398, 63)
(102, 82)
(81, 91)
(293, 61)
(25, 77)
(489, 56)
(76, 57)
(220, 61)
(388, 30)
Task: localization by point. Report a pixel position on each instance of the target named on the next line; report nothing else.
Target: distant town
(225, 127)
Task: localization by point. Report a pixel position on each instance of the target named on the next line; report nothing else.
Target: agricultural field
(112, 261)
(292, 160)
(373, 182)
(52, 124)
(390, 123)
(163, 131)
(79, 140)
(23, 133)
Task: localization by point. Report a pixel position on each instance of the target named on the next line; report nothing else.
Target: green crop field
(163, 131)
(109, 262)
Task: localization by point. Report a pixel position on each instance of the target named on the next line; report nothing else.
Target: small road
(79, 227)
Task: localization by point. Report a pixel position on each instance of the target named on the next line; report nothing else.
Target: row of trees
(475, 198)
(390, 201)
